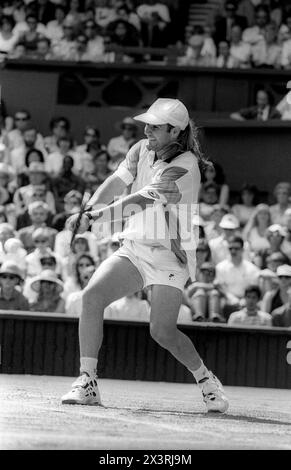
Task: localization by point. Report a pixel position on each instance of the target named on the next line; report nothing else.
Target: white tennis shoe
(213, 394)
(84, 392)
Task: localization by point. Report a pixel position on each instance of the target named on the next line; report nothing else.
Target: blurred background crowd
(243, 252)
(204, 33)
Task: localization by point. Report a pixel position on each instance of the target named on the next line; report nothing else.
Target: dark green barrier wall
(48, 344)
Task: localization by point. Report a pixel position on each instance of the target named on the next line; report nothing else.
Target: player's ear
(175, 131)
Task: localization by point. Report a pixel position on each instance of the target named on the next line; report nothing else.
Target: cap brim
(149, 118)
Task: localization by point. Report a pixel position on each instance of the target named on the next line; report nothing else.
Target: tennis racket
(83, 208)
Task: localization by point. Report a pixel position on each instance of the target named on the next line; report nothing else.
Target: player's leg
(116, 277)
(165, 305)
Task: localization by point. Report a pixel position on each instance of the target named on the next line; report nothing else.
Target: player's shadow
(246, 419)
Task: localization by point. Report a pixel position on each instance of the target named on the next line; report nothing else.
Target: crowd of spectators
(243, 252)
(241, 34)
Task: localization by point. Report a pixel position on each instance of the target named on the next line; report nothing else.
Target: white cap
(229, 221)
(284, 270)
(166, 111)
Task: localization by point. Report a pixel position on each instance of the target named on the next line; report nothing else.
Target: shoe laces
(82, 380)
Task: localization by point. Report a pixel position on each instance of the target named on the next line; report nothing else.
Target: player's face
(158, 136)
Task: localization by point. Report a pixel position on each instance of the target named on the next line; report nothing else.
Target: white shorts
(156, 265)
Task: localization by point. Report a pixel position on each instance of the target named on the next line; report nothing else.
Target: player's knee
(162, 335)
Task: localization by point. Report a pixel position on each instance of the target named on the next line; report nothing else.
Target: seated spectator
(247, 204)
(104, 13)
(41, 243)
(95, 44)
(123, 12)
(63, 240)
(282, 193)
(154, 32)
(14, 251)
(100, 169)
(80, 246)
(250, 314)
(204, 295)
(212, 229)
(147, 8)
(65, 48)
(81, 54)
(71, 204)
(267, 53)
(123, 34)
(38, 212)
(128, 308)
(6, 232)
(281, 316)
(22, 120)
(256, 33)
(255, 231)
(223, 23)
(75, 15)
(54, 28)
(219, 246)
(285, 29)
(276, 259)
(8, 38)
(286, 245)
(23, 219)
(209, 198)
(76, 282)
(45, 11)
(74, 300)
(262, 111)
(203, 255)
(43, 50)
(48, 288)
(65, 182)
(54, 161)
(120, 145)
(224, 58)
(214, 173)
(7, 177)
(235, 274)
(240, 51)
(60, 128)
(278, 297)
(32, 155)
(197, 54)
(268, 280)
(18, 155)
(10, 298)
(31, 34)
(37, 178)
(91, 134)
(30, 26)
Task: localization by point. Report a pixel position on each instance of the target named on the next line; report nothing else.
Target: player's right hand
(84, 223)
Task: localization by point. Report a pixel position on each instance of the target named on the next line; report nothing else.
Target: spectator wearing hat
(14, 251)
(278, 297)
(204, 296)
(38, 212)
(65, 182)
(281, 316)
(268, 280)
(246, 207)
(37, 177)
(48, 288)
(71, 204)
(119, 146)
(212, 228)
(275, 235)
(250, 314)
(219, 245)
(282, 193)
(235, 274)
(10, 298)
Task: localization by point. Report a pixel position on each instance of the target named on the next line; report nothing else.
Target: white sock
(89, 365)
(200, 374)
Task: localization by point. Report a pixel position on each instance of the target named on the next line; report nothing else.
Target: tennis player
(158, 247)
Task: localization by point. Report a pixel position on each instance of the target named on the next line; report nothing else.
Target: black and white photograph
(145, 230)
